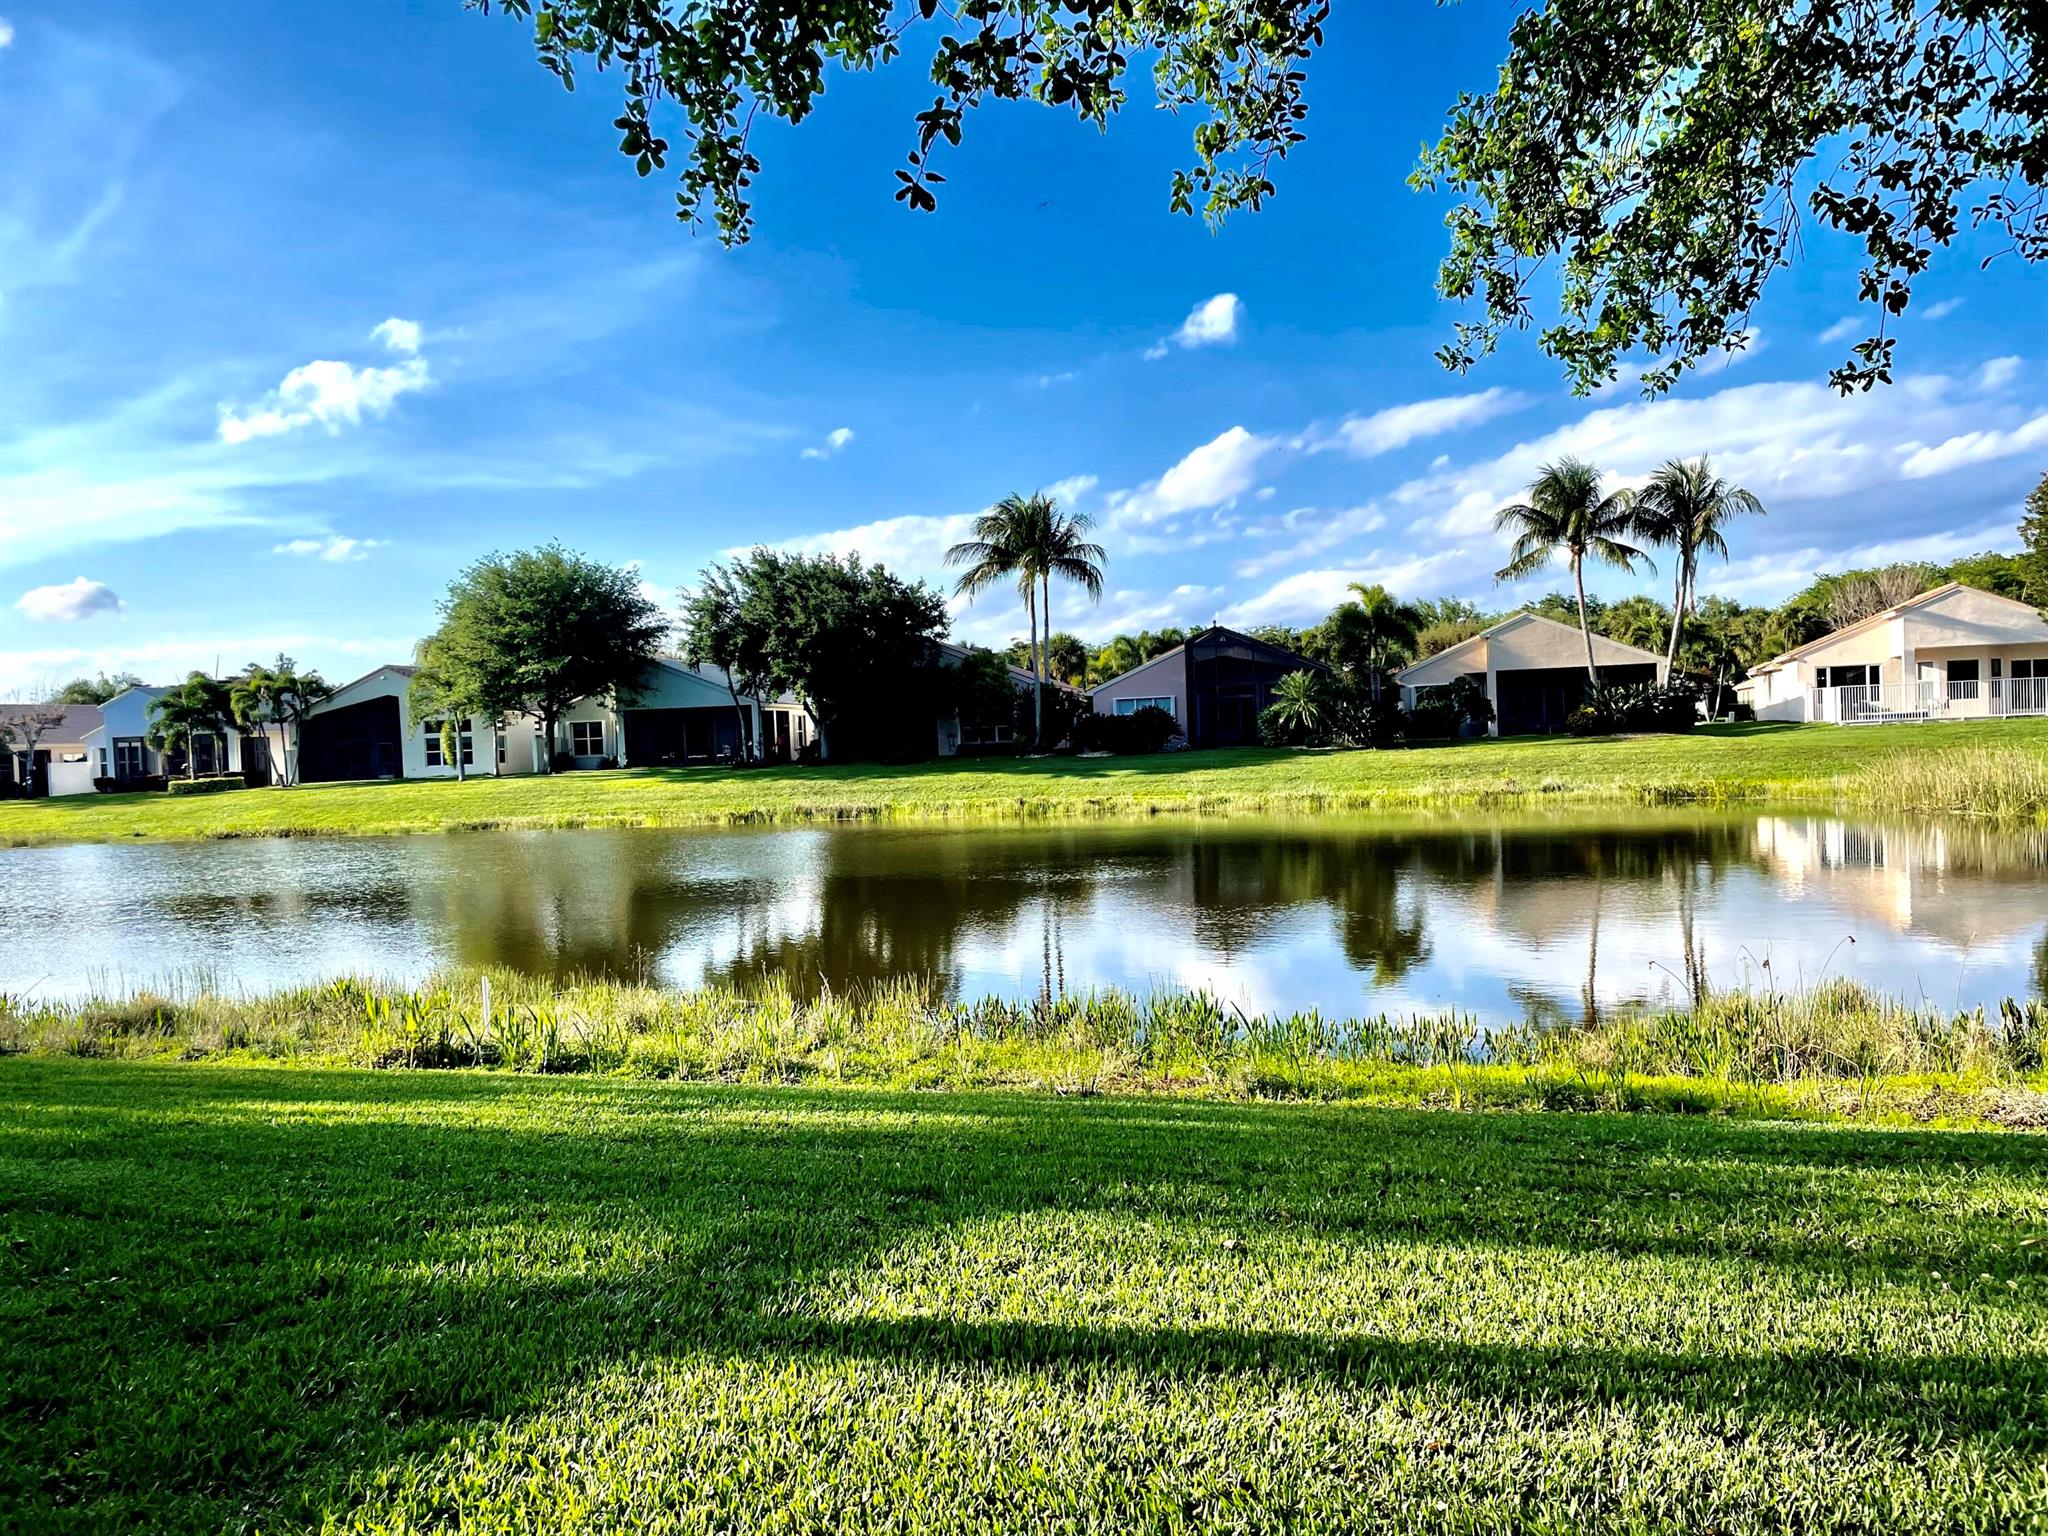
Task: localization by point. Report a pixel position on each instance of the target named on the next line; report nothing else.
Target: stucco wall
(1163, 677)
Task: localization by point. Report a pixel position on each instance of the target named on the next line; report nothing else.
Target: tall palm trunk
(1044, 659)
(1585, 628)
(1037, 692)
(1681, 599)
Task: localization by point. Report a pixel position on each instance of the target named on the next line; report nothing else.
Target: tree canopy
(1659, 156)
(850, 641)
(96, 690)
(725, 64)
(535, 631)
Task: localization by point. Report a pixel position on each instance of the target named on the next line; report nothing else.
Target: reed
(1835, 1045)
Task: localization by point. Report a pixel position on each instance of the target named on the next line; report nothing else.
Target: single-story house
(121, 752)
(364, 730)
(1533, 670)
(63, 757)
(1215, 685)
(1951, 653)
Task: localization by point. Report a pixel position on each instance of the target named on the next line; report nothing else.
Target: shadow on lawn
(231, 1291)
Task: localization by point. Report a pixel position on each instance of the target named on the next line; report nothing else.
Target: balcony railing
(1875, 703)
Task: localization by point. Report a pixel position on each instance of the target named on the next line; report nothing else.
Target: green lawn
(1999, 765)
(234, 1299)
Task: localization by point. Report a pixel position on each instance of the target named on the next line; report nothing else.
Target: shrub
(207, 786)
(1670, 708)
(1434, 717)
(1148, 730)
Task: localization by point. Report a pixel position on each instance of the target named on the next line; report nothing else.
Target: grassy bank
(1836, 1051)
(1993, 768)
(235, 1299)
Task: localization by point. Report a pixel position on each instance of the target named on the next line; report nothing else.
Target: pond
(1501, 917)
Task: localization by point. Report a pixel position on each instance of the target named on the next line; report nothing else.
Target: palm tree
(1030, 539)
(178, 718)
(996, 553)
(1684, 506)
(278, 695)
(1300, 705)
(1566, 511)
(1387, 631)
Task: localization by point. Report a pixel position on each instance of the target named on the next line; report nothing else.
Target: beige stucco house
(1950, 653)
(1533, 669)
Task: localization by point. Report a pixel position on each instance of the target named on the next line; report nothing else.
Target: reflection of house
(1533, 670)
(1950, 653)
(1922, 879)
(1215, 686)
(63, 757)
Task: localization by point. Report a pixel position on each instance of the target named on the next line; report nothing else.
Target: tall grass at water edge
(1835, 1048)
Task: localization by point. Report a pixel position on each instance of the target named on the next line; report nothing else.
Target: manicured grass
(1999, 767)
(235, 1298)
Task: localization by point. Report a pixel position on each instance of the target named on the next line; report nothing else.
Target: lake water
(1505, 918)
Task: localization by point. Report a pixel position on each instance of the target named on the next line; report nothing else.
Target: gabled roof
(1517, 621)
(396, 669)
(1214, 632)
(78, 720)
(1897, 610)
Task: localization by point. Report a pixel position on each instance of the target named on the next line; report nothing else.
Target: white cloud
(1974, 448)
(910, 546)
(1070, 490)
(1221, 470)
(1211, 323)
(333, 394)
(835, 442)
(6, 33)
(71, 601)
(1998, 372)
(1841, 330)
(1307, 596)
(164, 657)
(335, 548)
(1942, 309)
(1317, 529)
(399, 335)
(1781, 440)
(1383, 431)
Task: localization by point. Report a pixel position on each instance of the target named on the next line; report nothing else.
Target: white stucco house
(63, 763)
(120, 750)
(1533, 670)
(1952, 653)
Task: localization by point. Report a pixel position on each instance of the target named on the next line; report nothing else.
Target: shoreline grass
(1995, 769)
(1835, 1051)
(243, 1300)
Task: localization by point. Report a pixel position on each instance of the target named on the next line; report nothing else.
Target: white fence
(1875, 703)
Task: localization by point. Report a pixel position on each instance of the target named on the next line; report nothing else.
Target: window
(435, 758)
(2022, 667)
(986, 735)
(501, 749)
(1997, 666)
(586, 738)
(129, 762)
(1132, 706)
(1847, 677)
(1963, 671)
(103, 762)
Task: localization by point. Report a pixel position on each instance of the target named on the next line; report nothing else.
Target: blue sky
(302, 308)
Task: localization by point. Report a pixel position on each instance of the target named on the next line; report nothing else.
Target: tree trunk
(497, 749)
(1585, 629)
(1037, 691)
(739, 714)
(547, 725)
(461, 770)
(1678, 600)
